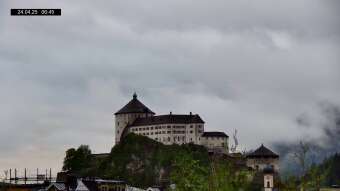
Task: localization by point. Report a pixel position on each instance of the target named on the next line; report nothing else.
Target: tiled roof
(167, 119)
(134, 106)
(262, 152)
(214, 134)
(81, 186)
(58, 186)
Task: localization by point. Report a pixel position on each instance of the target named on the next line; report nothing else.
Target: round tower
(128, 114)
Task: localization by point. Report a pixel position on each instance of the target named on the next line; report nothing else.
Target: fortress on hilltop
(168, 129)
(171, 128)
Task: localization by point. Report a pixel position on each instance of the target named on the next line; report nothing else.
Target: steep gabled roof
(58, 186)
(262, 152)
(134, 106)
(214, 134)
(167, 119)
(81, 186)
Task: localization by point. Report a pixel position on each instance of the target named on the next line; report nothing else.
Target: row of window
(162, 132)
(162, 127)
(175, 139)
(111, 188)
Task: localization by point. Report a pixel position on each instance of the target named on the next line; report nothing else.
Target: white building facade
(168, 129)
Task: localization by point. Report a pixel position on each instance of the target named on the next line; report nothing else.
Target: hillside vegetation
(143, 162)
(137, 159)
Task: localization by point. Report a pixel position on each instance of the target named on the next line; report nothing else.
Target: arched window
(268, 184)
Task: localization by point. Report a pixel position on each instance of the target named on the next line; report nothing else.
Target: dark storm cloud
(255, 66)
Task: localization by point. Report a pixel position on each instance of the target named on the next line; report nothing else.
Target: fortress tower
(128, 114)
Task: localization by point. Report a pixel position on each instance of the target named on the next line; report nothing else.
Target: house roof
(214, 134)
(92, 184)
(262, 152)
(167, 119)
(81, 186)
(58, 186)
(134, 106)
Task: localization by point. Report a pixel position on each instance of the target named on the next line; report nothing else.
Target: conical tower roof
(134, 106)
(263, 152)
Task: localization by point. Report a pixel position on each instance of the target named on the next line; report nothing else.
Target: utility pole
(37, 175)
(25, 176)
(15, 175)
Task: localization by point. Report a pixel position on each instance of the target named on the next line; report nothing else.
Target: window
(190, 139)
(151, 133)
(190, 126)
(169, 126)
(169, 132)
(191, 132)
(169, 139)
(268, 184)
(117, 132)
(151, 128)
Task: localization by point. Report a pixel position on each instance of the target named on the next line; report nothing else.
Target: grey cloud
(253, 66)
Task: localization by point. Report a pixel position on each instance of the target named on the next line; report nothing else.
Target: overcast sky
(255, 66)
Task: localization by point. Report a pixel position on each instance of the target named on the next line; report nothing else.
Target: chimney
(170, 112)
(190, 113)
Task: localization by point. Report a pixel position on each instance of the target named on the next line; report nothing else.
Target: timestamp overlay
(35, 12)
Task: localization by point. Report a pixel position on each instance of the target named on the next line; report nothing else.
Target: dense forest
(329, 170)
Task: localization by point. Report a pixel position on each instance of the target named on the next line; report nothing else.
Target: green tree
(188, 174)
(224, 176)
(77, 160)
